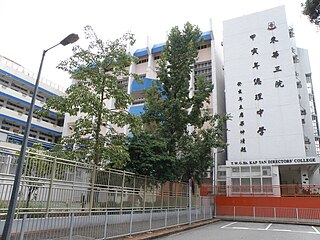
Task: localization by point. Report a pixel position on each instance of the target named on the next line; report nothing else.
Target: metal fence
(285, 190)
(101, 224)
(51, 184)
(274, 214)
(63, 199)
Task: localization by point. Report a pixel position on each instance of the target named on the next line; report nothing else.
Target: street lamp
(214, 177)
(15, 190)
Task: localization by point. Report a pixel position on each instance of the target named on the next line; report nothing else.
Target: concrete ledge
(170, 230)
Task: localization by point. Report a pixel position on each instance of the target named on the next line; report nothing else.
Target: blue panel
(136, 86)
(206, 36)
(136, 110)
(17, 139)
(24, 102)
(141, 52)
(157, 48)
(26, 82)
(33, 125)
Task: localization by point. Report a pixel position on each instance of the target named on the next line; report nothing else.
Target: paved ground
(225, 230)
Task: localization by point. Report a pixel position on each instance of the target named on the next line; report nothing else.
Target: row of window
(22, 110)
(261, 170)
(203, 46)
(21, 89)
(13, 127)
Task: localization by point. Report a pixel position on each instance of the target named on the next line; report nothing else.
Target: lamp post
(15, 189)
(214, 177)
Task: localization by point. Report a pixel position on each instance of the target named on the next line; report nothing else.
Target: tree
(149, 156)
(97, 71)
(175, 116)
(311, 8)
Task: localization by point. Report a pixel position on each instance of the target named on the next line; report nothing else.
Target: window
(255, 169)
(245, 169)
(157, 57)
(266, 170)
(235, 169)
(267, 184)
(5, 128)
(308, 78)
(204, 46)
(235, 182)
(143, 60)
(256, 184)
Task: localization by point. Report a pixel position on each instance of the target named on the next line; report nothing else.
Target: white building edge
(273, 137)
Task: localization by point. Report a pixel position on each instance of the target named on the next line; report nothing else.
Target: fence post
(234, 212)
(211, 212)
(297, 215)
(71, 227)
(178, 217)
(166, 218)
(161, 195)
(131, 220)
(108, 184)
(122, 190)
(93, 180)
(254, 213)
(53, 173)
(22, 227)
(189, 199)
(275, 214)
(133, 192)
(73, 182)
(204, 212)
(176, 194)
(145, 193)
(150, 221)
(105, 233)
(196, 212)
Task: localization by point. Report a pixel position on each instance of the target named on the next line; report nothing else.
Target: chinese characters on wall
(257, 82)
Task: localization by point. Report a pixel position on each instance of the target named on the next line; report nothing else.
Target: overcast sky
(30, 26)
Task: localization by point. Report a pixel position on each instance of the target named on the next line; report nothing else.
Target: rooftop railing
(21, 69)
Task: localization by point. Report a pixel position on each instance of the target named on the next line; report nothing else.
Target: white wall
(281, 118)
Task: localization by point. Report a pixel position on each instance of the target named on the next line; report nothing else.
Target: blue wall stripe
(33, 125)
(136, 110)
(24, 102)
(141, 52)
(26, 82)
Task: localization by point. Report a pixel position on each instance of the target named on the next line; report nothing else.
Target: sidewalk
(169, 231)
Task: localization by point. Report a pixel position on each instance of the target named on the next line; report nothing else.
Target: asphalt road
(225, 230)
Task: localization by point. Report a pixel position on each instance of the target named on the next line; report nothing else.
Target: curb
(172, 230)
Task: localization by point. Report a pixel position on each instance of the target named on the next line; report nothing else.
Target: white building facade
(16, 89)
(273, 137)
(208, 64)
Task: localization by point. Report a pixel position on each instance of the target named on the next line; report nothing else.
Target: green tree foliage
(176, 118)
(149, 156)
(96, 71)
(311, 8)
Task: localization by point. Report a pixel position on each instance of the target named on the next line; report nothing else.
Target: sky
(30, 26)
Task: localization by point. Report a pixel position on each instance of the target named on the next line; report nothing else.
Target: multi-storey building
(265, 85)
(273, 137)
(16, 89)
(209, 64)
